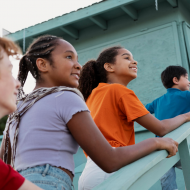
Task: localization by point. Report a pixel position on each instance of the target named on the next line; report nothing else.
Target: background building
(158, 35)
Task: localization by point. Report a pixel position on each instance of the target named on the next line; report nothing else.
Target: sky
(18, 14)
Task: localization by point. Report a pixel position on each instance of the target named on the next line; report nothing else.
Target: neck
(123, 82)
(44, 84)
(176, 86)
(3, 112)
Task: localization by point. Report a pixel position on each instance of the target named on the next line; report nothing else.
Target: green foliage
(2, 124)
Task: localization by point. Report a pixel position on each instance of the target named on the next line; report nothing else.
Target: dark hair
(169, 73)
(93, 71)
(9, 47)
(40, 48)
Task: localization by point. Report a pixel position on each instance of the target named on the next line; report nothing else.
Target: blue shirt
(171, 104)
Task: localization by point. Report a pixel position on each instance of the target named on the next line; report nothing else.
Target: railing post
(185, 161)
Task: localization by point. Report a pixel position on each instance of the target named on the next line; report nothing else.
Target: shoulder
(185, 94)
(120, 89)
(69, 103)
(182, 94)
(68, 96)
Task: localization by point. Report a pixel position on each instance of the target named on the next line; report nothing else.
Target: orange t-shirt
(114, 108)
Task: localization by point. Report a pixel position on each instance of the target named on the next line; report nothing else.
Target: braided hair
(40, 48)
(93, 71)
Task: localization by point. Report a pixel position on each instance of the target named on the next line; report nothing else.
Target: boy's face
(8, 86)
(183, 83)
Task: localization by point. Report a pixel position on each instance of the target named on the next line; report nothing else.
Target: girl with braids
(53, 120)
(9, 178)
(114, 109)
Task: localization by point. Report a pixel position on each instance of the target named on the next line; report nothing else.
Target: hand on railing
(168, 144)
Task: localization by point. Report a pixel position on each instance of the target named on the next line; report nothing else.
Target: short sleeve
(150, 107)
(131, 106)
(68, 104)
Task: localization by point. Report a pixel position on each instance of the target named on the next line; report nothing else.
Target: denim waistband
(49, 170)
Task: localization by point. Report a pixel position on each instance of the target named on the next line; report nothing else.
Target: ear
(109, 67)
(175, 80)
(42, 64)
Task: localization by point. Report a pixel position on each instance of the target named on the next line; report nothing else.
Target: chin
(134, 77)
(75, 85)
(12, 106)
(12, 109)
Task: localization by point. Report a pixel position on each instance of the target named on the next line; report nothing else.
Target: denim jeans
(168, 180)
(48, 177)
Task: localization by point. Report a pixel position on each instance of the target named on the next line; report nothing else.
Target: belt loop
(72, 186)
(46, 170)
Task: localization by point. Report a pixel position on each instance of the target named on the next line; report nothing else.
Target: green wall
(155, 42)
(157, 39)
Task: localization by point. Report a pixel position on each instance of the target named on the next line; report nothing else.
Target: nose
(78, 66)
(17, 84)
(135, 62)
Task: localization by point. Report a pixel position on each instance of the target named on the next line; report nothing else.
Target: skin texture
(123, 70)
(181, 84)
(8, 85)
(8, 93)
(65, 60)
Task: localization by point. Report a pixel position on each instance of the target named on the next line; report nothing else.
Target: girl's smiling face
(8, 85)
(65, 69)
(124, 68)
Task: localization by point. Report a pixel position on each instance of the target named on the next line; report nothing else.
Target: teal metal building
(157, 32)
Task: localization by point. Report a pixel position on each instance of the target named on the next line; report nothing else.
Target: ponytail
(22, 75)
(93, 71)
(89, 78)
(23, 70)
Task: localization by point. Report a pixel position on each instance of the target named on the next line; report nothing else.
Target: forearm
(86, 133)
(163, 127)
(132, 153)
(171, 124)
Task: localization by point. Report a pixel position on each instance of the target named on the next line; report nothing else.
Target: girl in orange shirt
(114, 107)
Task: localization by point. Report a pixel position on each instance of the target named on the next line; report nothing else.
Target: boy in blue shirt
(175, 102)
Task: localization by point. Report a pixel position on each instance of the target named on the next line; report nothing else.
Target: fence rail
(145, 172)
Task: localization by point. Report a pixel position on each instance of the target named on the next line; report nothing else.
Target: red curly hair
(9, 47)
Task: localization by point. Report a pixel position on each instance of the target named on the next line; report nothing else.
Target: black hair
(93, 71)
(40, 48)
(169, 73)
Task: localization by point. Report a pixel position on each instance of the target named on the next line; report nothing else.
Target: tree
(2, 124)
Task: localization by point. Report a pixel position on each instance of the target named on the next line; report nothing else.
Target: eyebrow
(126, 54)
(69, 51)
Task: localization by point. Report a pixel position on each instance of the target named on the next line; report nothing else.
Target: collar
(172, 90)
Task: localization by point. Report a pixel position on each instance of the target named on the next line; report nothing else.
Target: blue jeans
(168, 180)
(48, 177)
